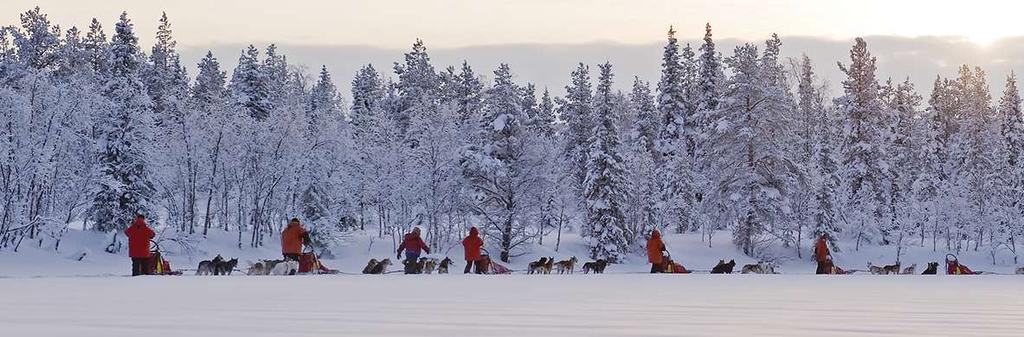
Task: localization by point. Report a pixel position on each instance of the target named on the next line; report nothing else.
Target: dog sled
(157, 265)
(488, 266)
(309, 263)
(673, 267)
(954, 267)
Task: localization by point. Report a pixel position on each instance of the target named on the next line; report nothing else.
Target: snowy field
(514, 305)
(47, 292)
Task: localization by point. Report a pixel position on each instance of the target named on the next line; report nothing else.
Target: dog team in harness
(294, 237)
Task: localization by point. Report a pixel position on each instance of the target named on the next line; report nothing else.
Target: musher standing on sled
(412, 244)
(823, 256)
(656, 252)
(472, 244)
(138, 245)
(292, 239)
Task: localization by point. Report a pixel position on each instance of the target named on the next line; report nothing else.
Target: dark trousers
(140, 266)
(293, 257)
(824, 267)
(477, 267)
(411, 262)
(657, 268)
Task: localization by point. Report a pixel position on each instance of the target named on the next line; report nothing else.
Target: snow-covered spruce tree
(642, 103)
(577, 114)
(901, 101)
(125, 186)
(504, 169)
(864, 153)
(176, 166)
(755, 106)
(209, 101)
(603, 191)
(417, 86)
(709, 206)
(671, 143)
(367, 94)
(95, 44)
(249, 86)
(1012, 130)
(980, 157)
(544, 122)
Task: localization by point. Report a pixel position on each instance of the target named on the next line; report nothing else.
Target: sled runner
(953, 267)
(157, 264)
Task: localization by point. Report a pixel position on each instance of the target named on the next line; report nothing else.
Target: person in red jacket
(139, 235)
(412, 244)
(656, 252)
(292, 239)
(823, 256)
(472, 244)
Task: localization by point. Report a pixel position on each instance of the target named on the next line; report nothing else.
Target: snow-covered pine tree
(577, 113)
(1012, 131)
(671, 144)
(504, 168)
(125, 186)
(865, 158)
(603, 191)
(250, 86)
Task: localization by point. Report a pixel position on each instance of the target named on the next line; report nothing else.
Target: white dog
(285, 268)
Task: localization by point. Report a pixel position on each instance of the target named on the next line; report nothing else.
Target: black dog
(597, 266)
(225, 267)
(723, 268)
(933, 268)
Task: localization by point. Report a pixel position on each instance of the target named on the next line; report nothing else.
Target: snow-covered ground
(514, 305)
(44, 292)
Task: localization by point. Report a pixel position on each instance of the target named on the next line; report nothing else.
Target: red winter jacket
(821, 252)
(472, 244)
(413, 243)
(654, 248)
(138, 238)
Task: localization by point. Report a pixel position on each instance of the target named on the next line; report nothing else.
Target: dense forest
(96, 129)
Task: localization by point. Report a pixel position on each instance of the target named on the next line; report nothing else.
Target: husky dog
(550, 265)
(442, 268)
(893, 269)
(370, 265)
(724, 268)
(597, 266)
(758, 268)
(268, 265)
(1020, 271)
(381, 267)
(255, 268)
(933, 268)
(225, 267)
(537, 267)
(567, 266)
(876, 270)
(209, 267)
(287, 267)
(910, 270)
(429, 265)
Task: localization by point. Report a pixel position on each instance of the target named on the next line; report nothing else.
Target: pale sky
(457, 23)
(542, 40)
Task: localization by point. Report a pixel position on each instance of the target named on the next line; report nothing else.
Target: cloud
(548, 65)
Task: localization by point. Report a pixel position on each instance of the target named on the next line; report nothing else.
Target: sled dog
(537, 267)
(381, 267)
(370, 265)
(225, 267)
(209, 267)
(910, 270)
(287, 267)
(933, 268)
(442, 268)
(723, 267)
(597, 267)
(567, 266)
